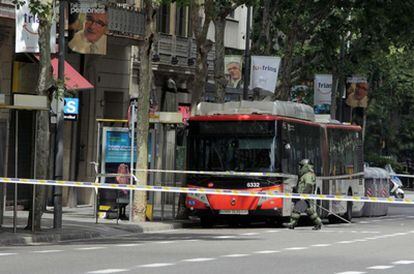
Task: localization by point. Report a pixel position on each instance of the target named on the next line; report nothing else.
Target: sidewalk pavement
(77, 224)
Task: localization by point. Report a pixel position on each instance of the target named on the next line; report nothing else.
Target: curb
(49, 238)
(56, 237)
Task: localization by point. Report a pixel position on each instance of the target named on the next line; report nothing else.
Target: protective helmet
(304, 162)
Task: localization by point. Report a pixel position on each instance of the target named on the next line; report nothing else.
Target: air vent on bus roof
(280, 108)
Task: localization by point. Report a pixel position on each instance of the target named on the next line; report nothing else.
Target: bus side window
(286, 148)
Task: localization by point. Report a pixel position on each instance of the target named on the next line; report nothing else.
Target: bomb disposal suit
(306, 185)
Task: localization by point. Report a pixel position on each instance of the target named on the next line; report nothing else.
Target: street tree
(201, 16)
(284, 28)
(145, 85)
(390, 121)
(360, 36)
(43, 9)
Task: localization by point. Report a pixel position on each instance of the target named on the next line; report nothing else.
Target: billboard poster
(264, 71)
(27, 35)
(322, 93)
(117, 145)
(233, 71)
(357, 92)
(88, 26)
(116, 158)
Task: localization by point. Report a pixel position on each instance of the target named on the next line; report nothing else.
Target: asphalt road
(369, 245)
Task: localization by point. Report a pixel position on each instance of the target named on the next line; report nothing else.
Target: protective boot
(315, 218)
(294, 218)
(317, 227)
(289, 225)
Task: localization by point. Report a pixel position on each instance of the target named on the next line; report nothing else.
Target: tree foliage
(371, 38)
(390, 121)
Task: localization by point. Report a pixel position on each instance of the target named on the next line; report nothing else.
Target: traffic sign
(71, 109)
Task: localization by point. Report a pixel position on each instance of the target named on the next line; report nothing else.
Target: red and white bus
(273, 137)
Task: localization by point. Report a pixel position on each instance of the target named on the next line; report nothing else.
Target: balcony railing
(183, 48)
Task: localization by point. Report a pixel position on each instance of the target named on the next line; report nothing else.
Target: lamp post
(57, 193)
(246, 57)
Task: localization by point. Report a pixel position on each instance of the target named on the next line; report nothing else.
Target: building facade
(115, 80)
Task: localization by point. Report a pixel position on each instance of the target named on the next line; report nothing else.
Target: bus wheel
(233, 222)
(273, 222)
(349, 204)
(206, 222)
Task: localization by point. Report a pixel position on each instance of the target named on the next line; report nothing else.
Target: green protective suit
(306, 185)
(307, 180)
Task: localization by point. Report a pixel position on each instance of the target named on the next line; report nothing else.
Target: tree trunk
(338, 75)
(286, 70)
(145, 86)
(200, 23)
(334, 93)
(42, 152)
(266, 26)
(264, 42)
(220, 79)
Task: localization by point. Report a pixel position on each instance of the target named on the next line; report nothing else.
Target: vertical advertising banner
(27, 35)
(322, 93)
(88, 26)
(233, 71)
(264, 71)
(357, 92)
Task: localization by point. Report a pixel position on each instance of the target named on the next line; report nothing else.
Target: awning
(73, 79)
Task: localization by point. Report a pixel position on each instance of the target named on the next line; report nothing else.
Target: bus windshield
(240, 151)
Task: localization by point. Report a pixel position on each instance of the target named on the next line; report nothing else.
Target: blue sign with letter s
(71, 106)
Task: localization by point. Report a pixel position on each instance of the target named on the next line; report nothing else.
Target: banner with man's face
(357, 92)
(88, 26)
(233, 71)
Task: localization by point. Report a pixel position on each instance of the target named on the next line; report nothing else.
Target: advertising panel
(116, 158)
(264, 71)
(88, 27)
(233, 71)
(322, 93)
(116, 146)
(27, 35)
(357, 92)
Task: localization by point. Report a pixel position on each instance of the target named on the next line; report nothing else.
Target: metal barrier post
(174, 174)
(131, 181)
(16, 157)
(97, 171)
(151, 197)
(163, 176)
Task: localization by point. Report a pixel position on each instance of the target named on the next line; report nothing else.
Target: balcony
(183, 48)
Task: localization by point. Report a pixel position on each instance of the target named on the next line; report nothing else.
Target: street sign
(71, 109)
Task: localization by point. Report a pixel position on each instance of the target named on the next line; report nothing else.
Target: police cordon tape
(266, 194)
(403, 175)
